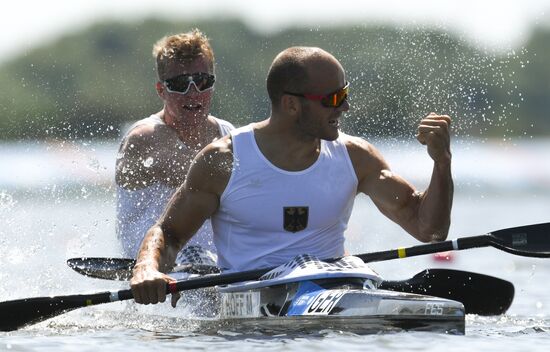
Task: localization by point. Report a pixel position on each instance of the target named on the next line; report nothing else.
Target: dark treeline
(91, 83)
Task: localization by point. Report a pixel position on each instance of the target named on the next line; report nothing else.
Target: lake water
(57, 202)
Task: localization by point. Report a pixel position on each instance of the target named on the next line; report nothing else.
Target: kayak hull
(361, 325)
(312, 306)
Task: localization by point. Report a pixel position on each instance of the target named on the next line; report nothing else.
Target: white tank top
(138, 210)
(267, 215)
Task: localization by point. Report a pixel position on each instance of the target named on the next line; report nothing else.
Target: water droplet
(148, 162)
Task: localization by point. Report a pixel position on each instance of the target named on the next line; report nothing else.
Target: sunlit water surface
(56, 202)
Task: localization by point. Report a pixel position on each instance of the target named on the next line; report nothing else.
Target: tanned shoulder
(212, 167)
(150, 154)
(130, 159)
(367, 161)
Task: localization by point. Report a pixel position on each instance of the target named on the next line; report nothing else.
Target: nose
(345, 106)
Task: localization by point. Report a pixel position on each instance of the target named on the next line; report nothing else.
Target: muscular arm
(425, 215)
(195, 201)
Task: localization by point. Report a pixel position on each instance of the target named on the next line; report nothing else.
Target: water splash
(400, 77)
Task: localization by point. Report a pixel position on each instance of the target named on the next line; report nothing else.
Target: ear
(160, 89)
(290, 104)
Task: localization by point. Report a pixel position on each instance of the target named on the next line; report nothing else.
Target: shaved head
(291, 71)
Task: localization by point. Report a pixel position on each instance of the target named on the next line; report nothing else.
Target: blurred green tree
(92, 83)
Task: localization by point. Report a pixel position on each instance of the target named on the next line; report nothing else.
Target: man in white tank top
(156, 152)
(285, 186)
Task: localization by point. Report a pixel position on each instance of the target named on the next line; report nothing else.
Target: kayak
(480, 294)
(343, 305)
(311, 295)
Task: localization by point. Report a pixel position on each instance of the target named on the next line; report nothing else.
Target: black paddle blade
(529, 240)
(103, 268)
(18, 313)
(120, 269)
(480, 294)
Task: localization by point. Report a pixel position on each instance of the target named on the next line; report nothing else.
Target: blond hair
(182, 48)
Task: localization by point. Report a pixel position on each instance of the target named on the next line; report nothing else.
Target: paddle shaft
(229, 278)
(225, 279)
(121, 268)
(457, 244)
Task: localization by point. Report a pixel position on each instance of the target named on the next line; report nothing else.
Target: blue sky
(26, 23)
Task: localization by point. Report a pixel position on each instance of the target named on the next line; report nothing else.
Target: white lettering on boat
(434, 309)
(323, 303)
(240, 305)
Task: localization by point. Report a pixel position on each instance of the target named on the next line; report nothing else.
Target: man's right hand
(149, 285)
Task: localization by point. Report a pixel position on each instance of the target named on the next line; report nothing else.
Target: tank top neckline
(310, 168)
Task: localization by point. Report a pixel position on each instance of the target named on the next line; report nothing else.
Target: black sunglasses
(181, 84)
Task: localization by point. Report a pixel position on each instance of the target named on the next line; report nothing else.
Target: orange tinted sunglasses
(332, 100)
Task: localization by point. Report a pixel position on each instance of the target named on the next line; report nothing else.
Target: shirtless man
(155, 154)
(286, 185)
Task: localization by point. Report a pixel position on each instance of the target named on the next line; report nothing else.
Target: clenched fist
(433, 132)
